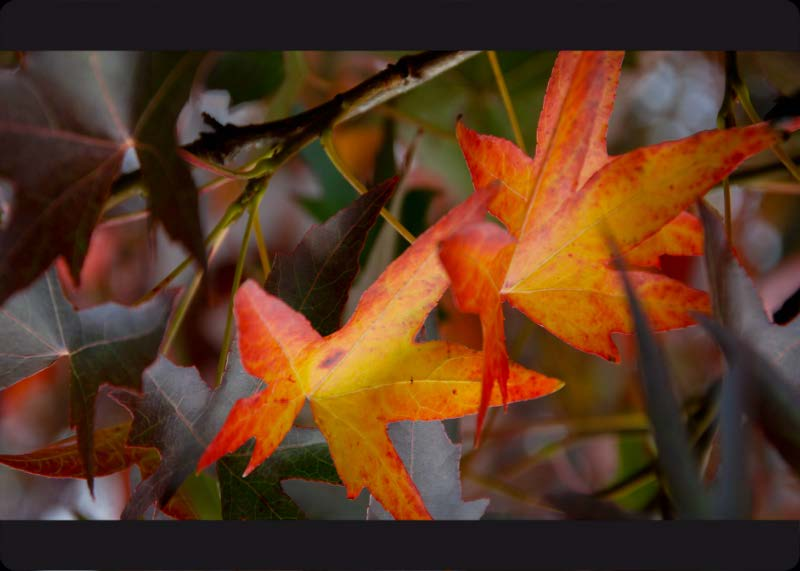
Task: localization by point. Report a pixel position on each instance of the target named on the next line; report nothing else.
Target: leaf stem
(216, 235)
(503, 88)
(187, 297)
(261, 244)
(726, 120)
(257, 186)
(330, 149)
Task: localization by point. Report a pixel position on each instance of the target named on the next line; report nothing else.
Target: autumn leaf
(62, 459)
(66, 123)
(109, 343)
(179, 415)
(366, 375)
(557, 207)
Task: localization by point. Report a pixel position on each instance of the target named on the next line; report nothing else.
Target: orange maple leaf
(560, 206)
(369, 373)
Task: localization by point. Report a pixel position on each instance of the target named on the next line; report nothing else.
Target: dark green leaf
(247, 75)
(434, 464)
(66, 122)
(675, 458)
(315, 278)
(303, 454)
(109, 344)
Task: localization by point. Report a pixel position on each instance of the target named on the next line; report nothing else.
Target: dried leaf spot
(332, 359)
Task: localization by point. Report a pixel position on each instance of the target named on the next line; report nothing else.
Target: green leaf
(67, 121)
(106, 344)
(434, 464)
(315, 278)
(248, 75)
(675, 458)
(302, 455)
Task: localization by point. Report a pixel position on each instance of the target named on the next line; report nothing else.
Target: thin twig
(330, 149)
(262, 246)
(503, 88)
(237, 277)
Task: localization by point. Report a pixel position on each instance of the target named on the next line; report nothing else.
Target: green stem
(726, 120)
(261, 244)
(503, 88)
(237, 278)
(187, 298)
(330, 149)
(232, 214)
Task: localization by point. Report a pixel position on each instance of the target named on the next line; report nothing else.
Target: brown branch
(283, 138)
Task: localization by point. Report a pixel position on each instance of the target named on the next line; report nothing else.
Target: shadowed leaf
(303, 454)
(433, 462)
(675, 458)
(67, 121)
(738, 305)
(178, 414)
(315, 278)
(771, 357)
(109, 343)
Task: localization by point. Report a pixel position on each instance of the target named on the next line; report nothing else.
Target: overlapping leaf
(111, 454)
(66, 123)
(770, 358)
(108, 343)
(558, 205)
(315, 278)
(738, 305)
(434, 465)
(303, 454)
(179, 415)
(366, 375)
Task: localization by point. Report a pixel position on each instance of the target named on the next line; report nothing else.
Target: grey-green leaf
(434, 465)
(107, 344)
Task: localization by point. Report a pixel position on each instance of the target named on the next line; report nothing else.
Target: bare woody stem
(281, 139)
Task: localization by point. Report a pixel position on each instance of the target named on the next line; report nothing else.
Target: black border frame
(407, 24)
(493, 544)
